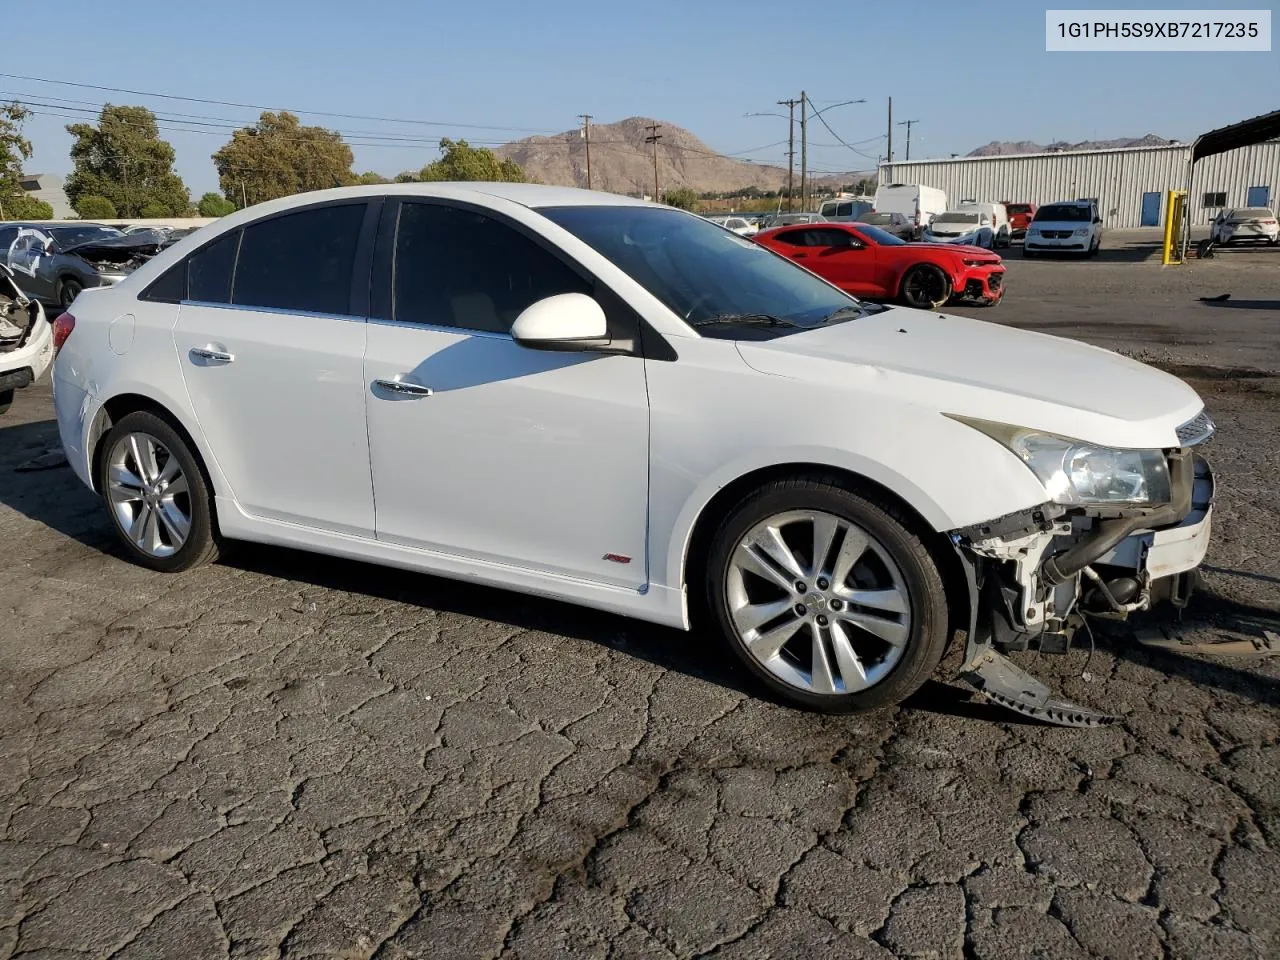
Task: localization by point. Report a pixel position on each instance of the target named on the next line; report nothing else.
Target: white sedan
(621, 405)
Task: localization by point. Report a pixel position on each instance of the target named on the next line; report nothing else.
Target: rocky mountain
(621, 161)
(1008, 148)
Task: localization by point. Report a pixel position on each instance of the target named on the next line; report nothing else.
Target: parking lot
(292, 755)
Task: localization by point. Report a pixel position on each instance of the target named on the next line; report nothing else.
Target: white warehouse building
(1129, 184)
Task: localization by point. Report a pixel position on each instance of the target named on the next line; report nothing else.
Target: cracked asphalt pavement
(291, 755)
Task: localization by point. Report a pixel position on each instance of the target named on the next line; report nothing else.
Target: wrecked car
(26, 339)
(622, 405)
(54, 262)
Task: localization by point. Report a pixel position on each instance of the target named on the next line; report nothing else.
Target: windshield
(882, 237)
(702, 272)
(74, 236)
(1068, 212)
(956, 218)
(1018, 208)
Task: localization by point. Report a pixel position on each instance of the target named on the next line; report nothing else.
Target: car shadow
(1242, 304)
(1134, 252)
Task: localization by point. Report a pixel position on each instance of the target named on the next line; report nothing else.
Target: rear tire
(156, 493)
(871, 625)
(925, 287)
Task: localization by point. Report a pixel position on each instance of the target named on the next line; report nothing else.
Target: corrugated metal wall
(1117, 178)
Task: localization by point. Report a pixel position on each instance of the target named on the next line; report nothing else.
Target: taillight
(62, 328)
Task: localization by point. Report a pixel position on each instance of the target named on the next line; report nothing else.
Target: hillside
(621, 162)
(1008, 148)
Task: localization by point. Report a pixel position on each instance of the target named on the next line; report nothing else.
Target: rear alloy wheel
(157, 495)
(68, 289)
(827, 598)
(926, 287)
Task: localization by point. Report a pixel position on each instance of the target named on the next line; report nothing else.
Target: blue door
(1151, 209)
(1258, 197)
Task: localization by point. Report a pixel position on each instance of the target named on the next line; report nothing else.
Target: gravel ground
(287, 755)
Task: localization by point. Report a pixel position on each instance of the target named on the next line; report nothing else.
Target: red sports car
(870, 263)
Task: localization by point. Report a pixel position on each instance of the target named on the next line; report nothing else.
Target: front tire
(869, 627)
(925, 287)
(68, 289)
(156, 493)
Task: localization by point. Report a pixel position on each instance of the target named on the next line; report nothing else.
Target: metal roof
(1242, 134)
(1043, 153)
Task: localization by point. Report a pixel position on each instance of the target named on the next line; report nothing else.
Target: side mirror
(566, 322)
(1097, 219)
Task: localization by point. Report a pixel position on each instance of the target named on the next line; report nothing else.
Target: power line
(823, 121)
(260, 107)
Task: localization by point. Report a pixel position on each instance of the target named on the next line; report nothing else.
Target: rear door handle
(798, 256)
(403, 388)
(210, 355)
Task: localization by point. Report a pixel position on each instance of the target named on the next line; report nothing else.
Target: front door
(274, 367)
(841, 258)
(1151, 209)
(482, 448)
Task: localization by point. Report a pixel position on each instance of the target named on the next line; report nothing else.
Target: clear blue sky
(969, 72)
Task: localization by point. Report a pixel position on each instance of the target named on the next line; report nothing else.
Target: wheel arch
(947, 268)
(698, 543)
(114, 409)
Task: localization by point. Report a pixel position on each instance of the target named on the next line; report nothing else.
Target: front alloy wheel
(818, 602)
(827, 598)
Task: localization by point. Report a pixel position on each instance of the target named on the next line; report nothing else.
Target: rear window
(878, 218)
(1254, 213)
(1018, 208)
(1064, 212)
(956, 218)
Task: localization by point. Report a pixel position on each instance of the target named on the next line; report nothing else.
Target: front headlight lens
(1082, 232)
(1075, 473)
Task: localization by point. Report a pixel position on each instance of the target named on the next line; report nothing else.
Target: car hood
(117, 249)
(968, 251)
(985, 370)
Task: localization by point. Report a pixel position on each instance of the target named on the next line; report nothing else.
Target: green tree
(681, 197)
(91, 206)
(154, 210)
(15, 204)
(215, 205)
(123, 159)
(278, 157)
(461, 161)
(369, 178)
(408, 176)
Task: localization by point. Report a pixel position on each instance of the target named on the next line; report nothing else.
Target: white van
(915, 201)
(993, 214)
(844, 209)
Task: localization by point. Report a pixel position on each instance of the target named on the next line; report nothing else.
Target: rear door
(271, 337)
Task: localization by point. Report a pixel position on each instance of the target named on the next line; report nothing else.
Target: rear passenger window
(796, 238)
(300, 261)
(458, 268)
(209, 270)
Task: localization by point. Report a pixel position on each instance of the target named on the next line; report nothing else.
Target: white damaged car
(621, 405)
(26, 339)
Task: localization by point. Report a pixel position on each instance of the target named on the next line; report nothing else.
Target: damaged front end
(115, 258)
(1035, 576)
(19, 314)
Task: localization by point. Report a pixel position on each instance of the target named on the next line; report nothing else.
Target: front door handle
(403, 388)
(210, 355)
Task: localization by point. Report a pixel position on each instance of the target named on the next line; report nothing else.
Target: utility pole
(908, 124)
(804, 151)
(890, 151)
(586, 136)
(653, 138)
(790, 104)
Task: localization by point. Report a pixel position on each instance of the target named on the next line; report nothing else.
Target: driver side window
(456, 267)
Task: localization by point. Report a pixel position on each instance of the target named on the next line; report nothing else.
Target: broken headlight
(1078, 473)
